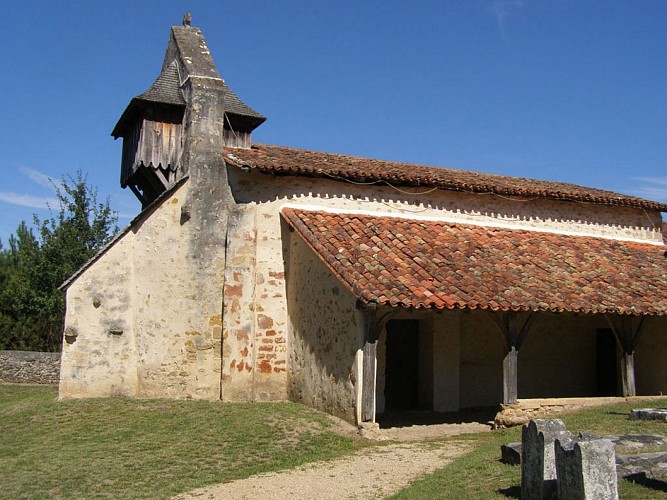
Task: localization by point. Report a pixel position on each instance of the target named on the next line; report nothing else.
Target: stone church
(356, 286)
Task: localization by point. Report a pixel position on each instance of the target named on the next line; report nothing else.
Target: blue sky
(566, 90)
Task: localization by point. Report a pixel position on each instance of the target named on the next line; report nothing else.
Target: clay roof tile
(470, 267)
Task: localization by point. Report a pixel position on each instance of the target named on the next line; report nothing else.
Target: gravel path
(371, 473)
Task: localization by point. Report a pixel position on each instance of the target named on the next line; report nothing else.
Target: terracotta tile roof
(278, 160)
(432, 264)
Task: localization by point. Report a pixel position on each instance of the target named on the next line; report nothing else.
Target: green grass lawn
(481, 475)
(122, 448)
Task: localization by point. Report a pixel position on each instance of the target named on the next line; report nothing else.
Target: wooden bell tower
(152, 130)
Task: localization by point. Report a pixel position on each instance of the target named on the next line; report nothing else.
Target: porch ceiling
(441, 265)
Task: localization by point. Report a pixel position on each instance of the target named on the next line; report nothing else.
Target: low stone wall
(527, 409)
(29, 367)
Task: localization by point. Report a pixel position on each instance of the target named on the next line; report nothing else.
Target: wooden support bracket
(626, 330)
(514, 334)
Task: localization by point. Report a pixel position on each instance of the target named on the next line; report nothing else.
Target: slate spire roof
(187, 56)
(196, 60)
(166, 88)
(430, 264)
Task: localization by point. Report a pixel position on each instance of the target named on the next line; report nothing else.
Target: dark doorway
(402, 365)
(607, 371)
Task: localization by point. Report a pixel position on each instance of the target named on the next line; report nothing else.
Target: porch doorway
(402, 365)
(607, 369)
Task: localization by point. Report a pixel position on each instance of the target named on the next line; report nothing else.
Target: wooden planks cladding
(152, 144)
(236, 139)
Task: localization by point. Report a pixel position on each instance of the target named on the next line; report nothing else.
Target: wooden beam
(368, 382)
(138, 194)
(628, 374)
(626, 330)
(510, 376)
(160, 176)
(148, 173)
(514, 335)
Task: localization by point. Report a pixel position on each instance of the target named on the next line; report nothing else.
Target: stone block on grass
(586, 469)
(510, 453)
(649, 414)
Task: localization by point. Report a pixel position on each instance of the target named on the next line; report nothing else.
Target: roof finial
(187, 19)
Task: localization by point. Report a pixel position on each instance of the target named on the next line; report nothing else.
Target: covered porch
(455, 360)
(462, 316)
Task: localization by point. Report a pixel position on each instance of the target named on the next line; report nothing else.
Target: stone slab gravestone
(586, 470)
(538, 464)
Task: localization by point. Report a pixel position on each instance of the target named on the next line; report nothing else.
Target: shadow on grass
(642, 479)
(511, 492)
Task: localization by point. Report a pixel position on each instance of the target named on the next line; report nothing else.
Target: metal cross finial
(187, 19)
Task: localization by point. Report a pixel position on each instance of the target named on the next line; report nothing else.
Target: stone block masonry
(28, 367)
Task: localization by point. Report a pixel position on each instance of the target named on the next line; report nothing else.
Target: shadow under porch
(436, 367)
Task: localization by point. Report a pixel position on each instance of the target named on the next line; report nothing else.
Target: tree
(32, 308)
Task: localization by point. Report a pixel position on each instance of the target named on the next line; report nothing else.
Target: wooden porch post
(628, 374)
(626, 332)
(510, 375)
(368, 382)
(514, 337)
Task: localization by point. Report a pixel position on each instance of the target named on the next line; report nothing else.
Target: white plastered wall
(137, 323)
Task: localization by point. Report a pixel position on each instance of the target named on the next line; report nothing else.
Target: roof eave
(341, 176)
(137, 104)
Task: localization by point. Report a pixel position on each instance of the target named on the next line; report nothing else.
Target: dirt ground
(371, 473)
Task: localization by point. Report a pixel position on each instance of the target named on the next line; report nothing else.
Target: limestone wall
(326, 336)
(255, 316)
(538, 214)
(28, 367)
(138, 321)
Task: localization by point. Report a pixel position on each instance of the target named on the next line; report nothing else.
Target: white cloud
(26, 200)
(37, 177)
(652, 188)
(654, 194)
(662, 181)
